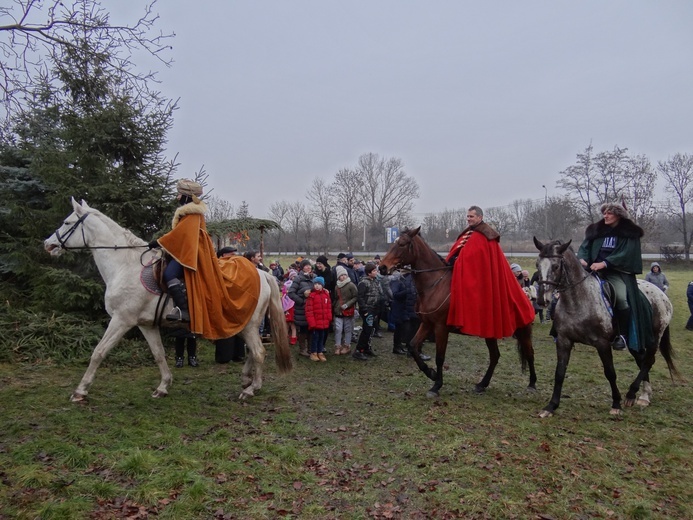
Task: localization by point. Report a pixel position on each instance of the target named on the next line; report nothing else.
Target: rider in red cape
(485, 298)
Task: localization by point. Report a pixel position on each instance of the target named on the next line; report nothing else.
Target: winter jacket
(301, 283)
(347, 294)
(403, 306)
(370, 295)
(319, 310)
(658, 279)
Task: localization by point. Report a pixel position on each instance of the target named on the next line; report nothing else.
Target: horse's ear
(538, 244)
(75, 205)
(565, 246)
(415, 232)
(84, 204)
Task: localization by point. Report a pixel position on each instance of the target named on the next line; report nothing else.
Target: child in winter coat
(319, 316)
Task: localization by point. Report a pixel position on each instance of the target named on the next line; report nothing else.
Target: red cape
(485, 298)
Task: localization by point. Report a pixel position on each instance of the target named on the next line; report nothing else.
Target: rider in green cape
(612, 248)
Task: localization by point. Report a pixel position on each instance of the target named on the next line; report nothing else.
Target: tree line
(82, 121)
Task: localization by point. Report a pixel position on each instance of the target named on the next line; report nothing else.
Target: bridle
(414, 272)
(558, 285)
(62, 239)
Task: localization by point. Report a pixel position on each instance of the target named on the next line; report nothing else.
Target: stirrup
(619, 343)
(178, 315)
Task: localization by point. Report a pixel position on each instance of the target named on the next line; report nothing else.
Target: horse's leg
(604, 351)
(153, 337)
(524, 343)
(441, 333)
(115, 330)
(251, 378)
(564, 348)
(415, 346)
(494, 356)
(644, 361)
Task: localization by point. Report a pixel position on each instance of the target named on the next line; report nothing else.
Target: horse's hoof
(158, 393)
(78, 398)
(643, 402)
(544, 414)
(531, 388)
(479, 389)
(432, 394)
(245, 394)
(616, 412)
(628, 402)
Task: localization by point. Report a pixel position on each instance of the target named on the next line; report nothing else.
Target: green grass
(344, 439)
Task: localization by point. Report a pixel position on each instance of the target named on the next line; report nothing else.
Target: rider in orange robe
(485, 298)
(217, 300)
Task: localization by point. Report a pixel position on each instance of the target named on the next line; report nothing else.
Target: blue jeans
(317, 341)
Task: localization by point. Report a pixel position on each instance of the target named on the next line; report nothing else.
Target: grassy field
(347, 439)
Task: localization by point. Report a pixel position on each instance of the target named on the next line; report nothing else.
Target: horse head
(66, 236)
(550, 265)
(401, 251)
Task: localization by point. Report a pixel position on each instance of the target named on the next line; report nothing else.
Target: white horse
(118, 254)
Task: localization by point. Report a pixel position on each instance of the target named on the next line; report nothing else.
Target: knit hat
(340, 270)
(515, 268)
(320, 280)
(304, 263)
(349, 256)
(322, 259)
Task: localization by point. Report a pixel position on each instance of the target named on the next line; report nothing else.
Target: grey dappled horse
(582, 316)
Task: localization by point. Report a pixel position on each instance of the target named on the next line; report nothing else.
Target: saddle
(608, 293)
(152, 279)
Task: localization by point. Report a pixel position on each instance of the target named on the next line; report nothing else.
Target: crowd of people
(318, 298)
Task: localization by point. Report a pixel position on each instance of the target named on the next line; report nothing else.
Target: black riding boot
(623, 324)
(180, 298)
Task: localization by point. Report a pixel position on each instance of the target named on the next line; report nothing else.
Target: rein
(564, 273)
(62, 239)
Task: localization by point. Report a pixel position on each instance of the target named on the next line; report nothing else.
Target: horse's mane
(409, 232)
(130, 238)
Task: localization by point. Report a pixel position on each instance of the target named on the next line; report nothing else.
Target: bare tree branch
(31, 30)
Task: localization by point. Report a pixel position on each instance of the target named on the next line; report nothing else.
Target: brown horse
(432, 277)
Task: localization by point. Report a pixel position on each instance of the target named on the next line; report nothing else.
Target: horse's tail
(668, 354)
(280, 333)
(524, 346)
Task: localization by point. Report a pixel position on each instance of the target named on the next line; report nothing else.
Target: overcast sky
(483, 101)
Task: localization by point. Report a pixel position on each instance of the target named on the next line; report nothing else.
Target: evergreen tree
(90, 133)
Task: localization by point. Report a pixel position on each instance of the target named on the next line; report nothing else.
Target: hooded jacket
(658, 279)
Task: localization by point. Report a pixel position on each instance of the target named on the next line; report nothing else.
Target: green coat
(626, 257)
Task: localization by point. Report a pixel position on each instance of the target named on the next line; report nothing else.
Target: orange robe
(485, 298)
(222, 294)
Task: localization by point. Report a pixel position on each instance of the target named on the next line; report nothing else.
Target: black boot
(179, 362)
(180, 298)
(623, 324)
(192, 361)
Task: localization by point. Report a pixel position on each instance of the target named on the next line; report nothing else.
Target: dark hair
(370, 267)
(250, 254)
(184, 199)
